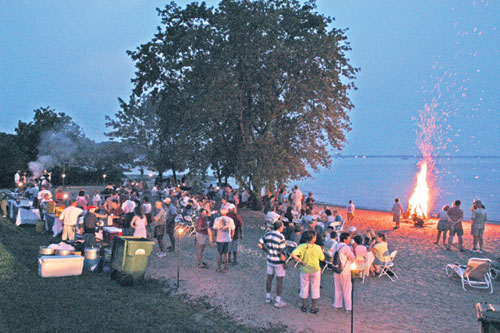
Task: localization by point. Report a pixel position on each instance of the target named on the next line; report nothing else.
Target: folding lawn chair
(387, 268)
(476, 274)
(290, 246)
(359, 267)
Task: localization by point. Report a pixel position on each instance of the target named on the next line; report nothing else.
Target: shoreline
(342, 207)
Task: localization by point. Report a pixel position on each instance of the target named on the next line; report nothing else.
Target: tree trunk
(159, 179)
(174, 175)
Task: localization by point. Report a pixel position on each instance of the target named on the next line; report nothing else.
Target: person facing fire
(455, 217)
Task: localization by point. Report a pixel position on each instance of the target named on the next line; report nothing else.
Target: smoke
(55, 147)
(43, 162)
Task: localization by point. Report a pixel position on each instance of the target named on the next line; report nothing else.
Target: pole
(179, 259)
(352, 302)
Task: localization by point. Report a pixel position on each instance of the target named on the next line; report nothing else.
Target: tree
(153, 134)
(266, 81)
(45, 120)
(12, 159)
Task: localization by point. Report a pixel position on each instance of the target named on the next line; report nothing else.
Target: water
(373, 183)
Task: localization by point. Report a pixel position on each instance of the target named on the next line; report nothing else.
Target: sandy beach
(424, 299)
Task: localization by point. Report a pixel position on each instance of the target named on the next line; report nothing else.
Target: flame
(419, 200)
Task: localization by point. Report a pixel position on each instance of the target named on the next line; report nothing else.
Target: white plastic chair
(477, 273)
(388, 267)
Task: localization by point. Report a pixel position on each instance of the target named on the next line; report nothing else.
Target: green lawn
(91, 302)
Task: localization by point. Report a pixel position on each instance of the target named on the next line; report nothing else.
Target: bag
(51, 207)
(336, 263)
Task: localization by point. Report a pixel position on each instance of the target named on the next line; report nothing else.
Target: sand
(424, 299)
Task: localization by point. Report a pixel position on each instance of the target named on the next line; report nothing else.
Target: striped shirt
(274, 241)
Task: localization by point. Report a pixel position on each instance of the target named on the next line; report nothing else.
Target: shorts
(233, 246)
(443, 225)
(349, 215)
(276, 269)
(201, 238)
(223, 247)
(457, 230)
(477, 230)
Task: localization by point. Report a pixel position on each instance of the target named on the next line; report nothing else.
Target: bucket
(107, 254)
(91, 253)
(40, 226)
(91, 265)
(45, 251)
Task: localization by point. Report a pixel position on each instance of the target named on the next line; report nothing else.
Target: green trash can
(130, 257)
(489, 316)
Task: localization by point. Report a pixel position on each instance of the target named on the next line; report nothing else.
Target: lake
(374, 182)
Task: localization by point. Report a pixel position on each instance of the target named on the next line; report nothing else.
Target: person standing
(479, 218)
(171, 214)
(89, 226)
(202, 231)
(309, 255)
(17, 177)
(455, 216)
(297, 198)
(238, 234)
(96, 199)
(139, 223)
(273, 243)
(159, 222)
(397, 211)
(310, 201)
(443, 226)
(343, 282)
(3, 202)
(69, 217)
(350, 211)
(224, 229)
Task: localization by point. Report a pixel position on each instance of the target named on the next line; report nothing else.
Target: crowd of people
(450, 224)
(295, 232)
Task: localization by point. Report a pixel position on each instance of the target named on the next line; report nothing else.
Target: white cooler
(57, 266)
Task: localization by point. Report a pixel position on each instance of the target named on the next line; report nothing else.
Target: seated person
(330, 242)
(306, 219)
(297, 235)
(289, 230)
(381, 252)
(318, 232)
(364, 259)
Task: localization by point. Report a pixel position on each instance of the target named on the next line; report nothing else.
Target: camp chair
(359, 267)
(476, 274)
(337, 226)
(290, 246)
(388, 266)
(328, 264)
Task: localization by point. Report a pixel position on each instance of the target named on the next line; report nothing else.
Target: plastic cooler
(489, 316)
(58, 266)
(109, 234)
(130, 255)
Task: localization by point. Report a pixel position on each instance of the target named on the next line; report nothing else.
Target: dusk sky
(70, 55)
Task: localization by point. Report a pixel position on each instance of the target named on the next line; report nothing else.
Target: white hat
(230, 206)
(352, 229)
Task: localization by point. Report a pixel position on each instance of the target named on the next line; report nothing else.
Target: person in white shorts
(273, 243)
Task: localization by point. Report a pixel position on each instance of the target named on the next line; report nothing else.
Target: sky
(71, 56)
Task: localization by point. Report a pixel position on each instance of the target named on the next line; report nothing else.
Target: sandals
(303, 308)
(218, 270)
(203, 265)
(313, 310)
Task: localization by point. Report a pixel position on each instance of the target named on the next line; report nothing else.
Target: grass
(91, 302)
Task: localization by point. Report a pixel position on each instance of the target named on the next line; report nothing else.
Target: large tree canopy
(263, 86)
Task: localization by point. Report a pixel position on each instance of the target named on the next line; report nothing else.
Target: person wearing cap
(224, 232)
(479, 218)
(90, 225)
(170, 225)
(238, 233)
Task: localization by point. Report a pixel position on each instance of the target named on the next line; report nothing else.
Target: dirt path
(423, 299)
